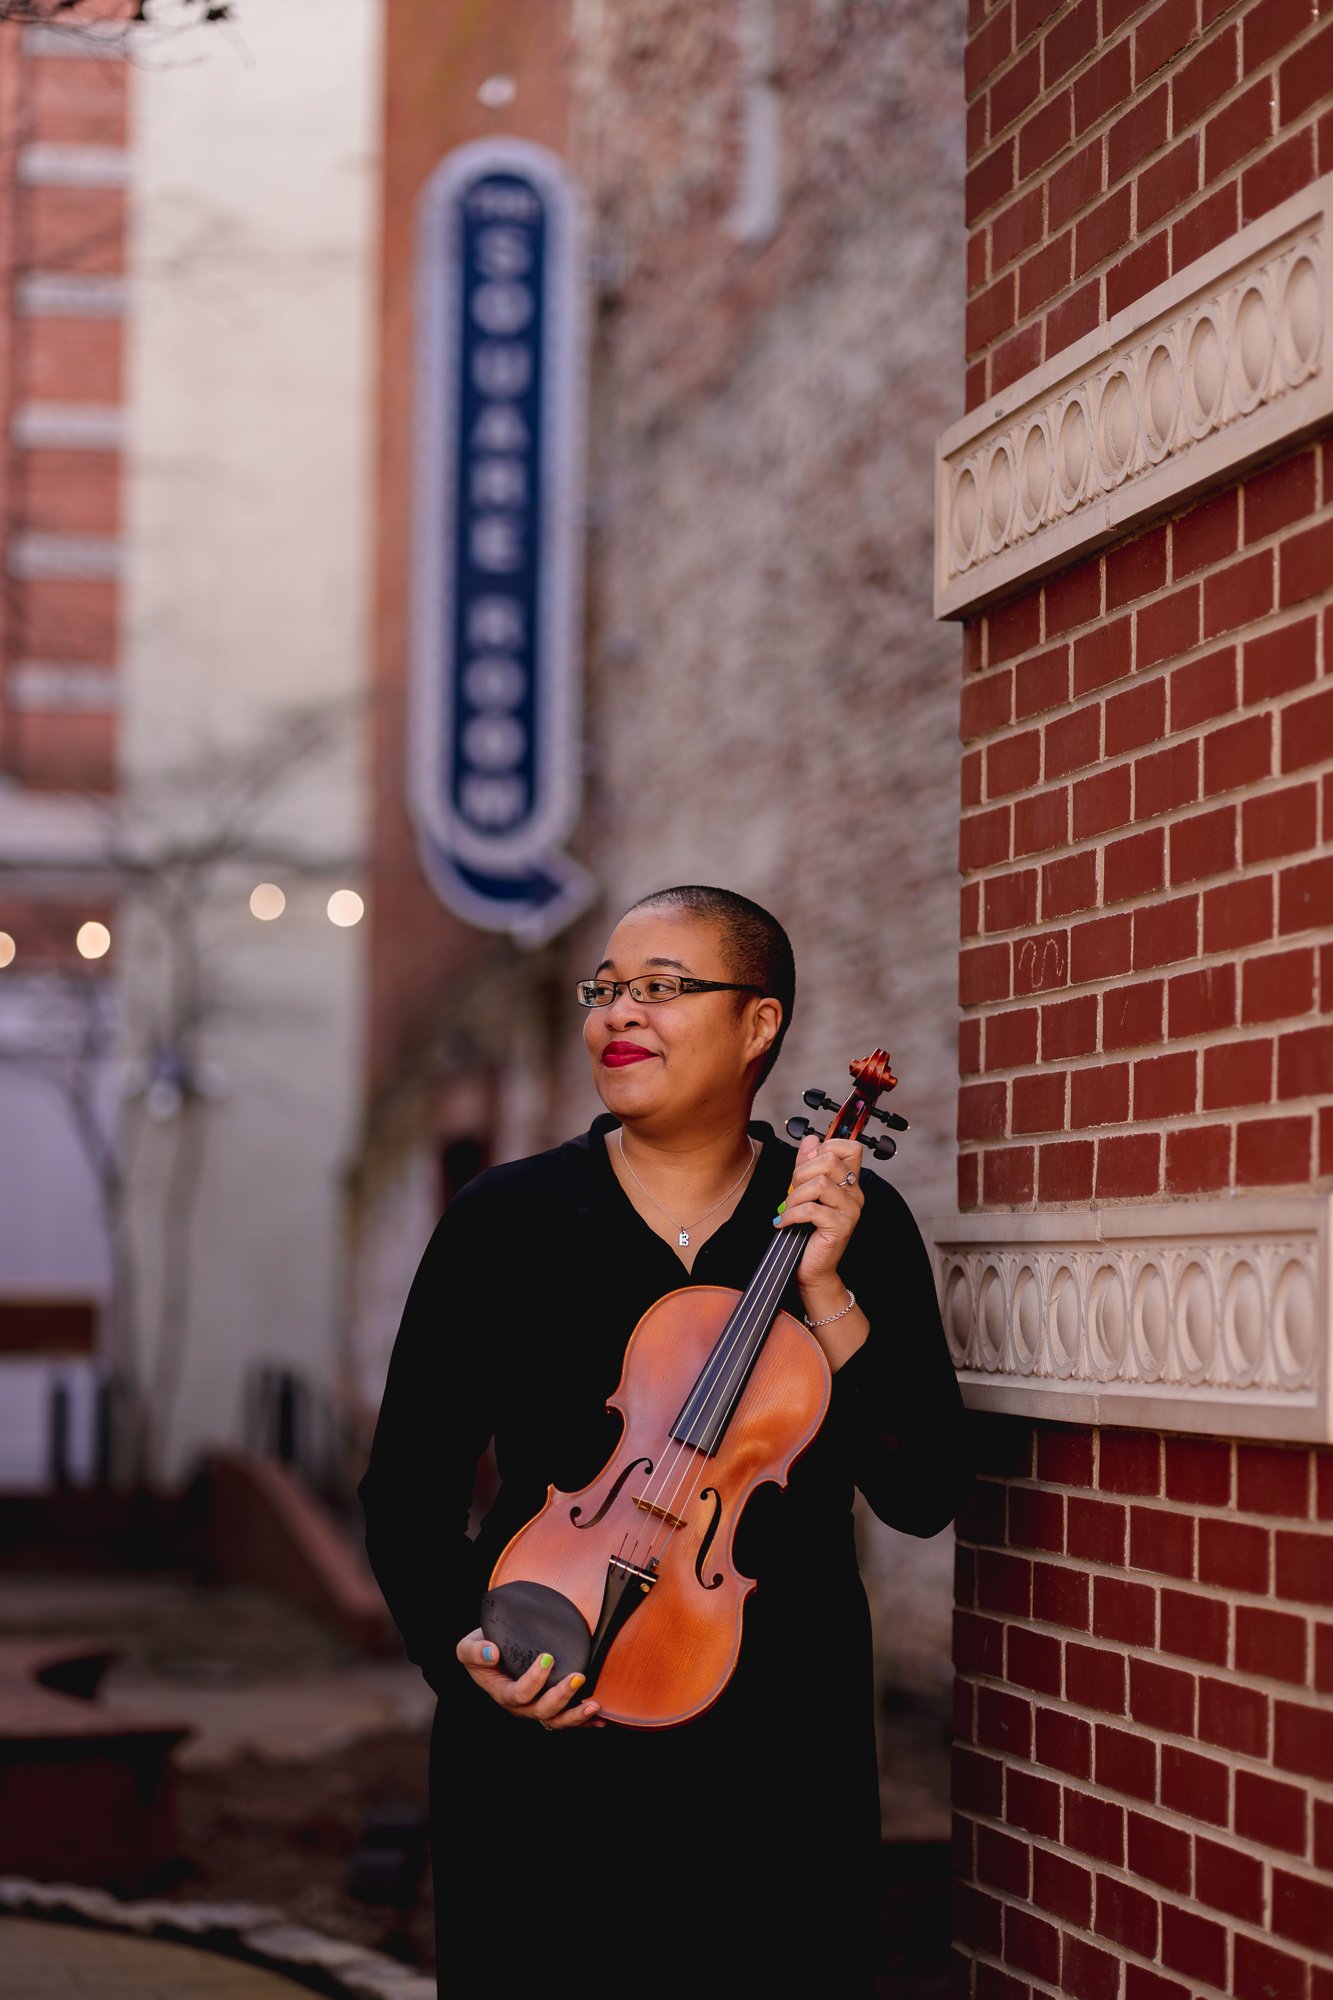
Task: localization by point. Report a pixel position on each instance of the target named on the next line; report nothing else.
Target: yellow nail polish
(577, 1683)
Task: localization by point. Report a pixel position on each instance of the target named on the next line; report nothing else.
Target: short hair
(758, 947)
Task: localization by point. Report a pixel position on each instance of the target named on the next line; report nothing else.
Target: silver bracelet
(829, 1318)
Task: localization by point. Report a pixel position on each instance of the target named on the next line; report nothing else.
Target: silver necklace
(684, 1228)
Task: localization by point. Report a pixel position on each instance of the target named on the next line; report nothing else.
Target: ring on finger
(849, 1180)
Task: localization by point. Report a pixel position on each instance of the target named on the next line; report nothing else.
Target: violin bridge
(627, 1584)
(662, 1513)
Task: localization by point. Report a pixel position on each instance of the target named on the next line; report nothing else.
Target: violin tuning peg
(797, 1128)
(814, 1098)
(884, 1147)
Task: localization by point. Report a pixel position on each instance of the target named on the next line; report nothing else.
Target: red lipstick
(618, 1055)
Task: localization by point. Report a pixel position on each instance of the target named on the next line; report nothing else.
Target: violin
(630, 1581)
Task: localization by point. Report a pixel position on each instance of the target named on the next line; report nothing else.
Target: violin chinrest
(525, 1619)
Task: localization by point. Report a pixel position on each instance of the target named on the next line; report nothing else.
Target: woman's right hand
(528, 1697)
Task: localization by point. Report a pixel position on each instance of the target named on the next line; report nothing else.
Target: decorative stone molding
(1195, 1316)
(1218, 366)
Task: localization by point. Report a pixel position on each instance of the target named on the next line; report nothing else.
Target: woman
(737, 1852)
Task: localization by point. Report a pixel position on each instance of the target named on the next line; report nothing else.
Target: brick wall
(1143, 1718)
(1111, 144)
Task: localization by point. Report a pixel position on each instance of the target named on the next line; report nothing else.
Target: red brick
(1195, 1627)
(1072, 37)
(1270, 1813)
(1161, 1697)
(1063, 1742)
(73, 229)
(1162, 35)
(1206, 534)
(1073, 741)
(1237, 1073)
(1234, 1555)
(1205, 79)
(1305, 1567)
(1202, 689)
(1125, 1612)
(987, 49)
(1132, 1015)
(1087, 1973)
(1015, 91)
(1273, 1479)
(1138, 273)
(1094, 1826)
(1065, 1172)
(1260, 1973)
(1095, 1678)
(992, 1984)
(1307, 731)
(1100, 948)
(1303, 1739)
(1103, 232)
(1166, 932)
(1126, 1762)
(1226, 1879)
(1270, 1643)
(1011, 1038)
(1166, 779)
(1135, 866)
(1103, 87)
(983, 1111)
(1160, 1853)
(1010, 901)
(1239, 753)
(1129, 1462)
(1279, 823)
(1136, 717)
(1281, 494)
(1193, 1945)
(983, 974)
(1140, 1984)
(1276, 662)
(1031, 1944)
(1065, 1455)
(1032, 1803)
(977, 1917)
(1234, 1717)
(1103, 655)
(1042, 682)
(1135, 568)
(985, 838)
(1060, 1596)
(1045, 273)
(1068, 1028)
(1041, 963)
(1102, 802)
(1282, 170)
(1278, 985)
(1046, 133)
(1061, 1888)
(1129, 1166)
(1305, 896)
(1238, 913)
(1303, 78)
(1069, 885)
(1166, 1086)
(1033, 1661)
(1127, 1916)
(987, 704)
(1008, 1176)
(1198, 1471)
(1302, 1910)
(1160, 1539)
(1238, 129)
(1273, 1152)
(1168, 182)
(1099, 1096)
(971, 778)
(1003, 1862)
(978, 1645)
(1016, 357)
(1004, 1583)
(1198, 1159)
(1210, 222)
(1305, 563)
(1138, 134)
(1042, 822)
(1013, 629)
(1004, 1722)
(1239, 595)
(1074, 184)
(1017, 228)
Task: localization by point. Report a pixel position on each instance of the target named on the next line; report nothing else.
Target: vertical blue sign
(497, 556)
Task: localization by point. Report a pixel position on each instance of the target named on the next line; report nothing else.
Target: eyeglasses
(650, 987)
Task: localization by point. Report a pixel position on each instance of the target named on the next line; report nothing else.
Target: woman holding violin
(688, 1800)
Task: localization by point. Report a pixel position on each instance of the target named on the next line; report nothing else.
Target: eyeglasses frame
(686, 986)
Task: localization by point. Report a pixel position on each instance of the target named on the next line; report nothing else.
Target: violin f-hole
(709, 1492)
(611, 1497)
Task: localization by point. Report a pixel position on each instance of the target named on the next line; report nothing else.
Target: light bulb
(345, 908)
(267, 901)
(93, 940)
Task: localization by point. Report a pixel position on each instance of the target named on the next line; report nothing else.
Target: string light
(267, 901)
(8, 948)
(93, 940)
(345, 908)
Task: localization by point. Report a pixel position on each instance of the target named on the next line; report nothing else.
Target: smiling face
(675, 1063)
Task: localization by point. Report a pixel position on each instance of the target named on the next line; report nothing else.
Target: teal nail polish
(488, 1654)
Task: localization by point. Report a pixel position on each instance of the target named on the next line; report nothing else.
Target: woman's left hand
(826, 1191)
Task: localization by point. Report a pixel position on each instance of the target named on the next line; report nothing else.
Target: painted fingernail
(577, 1682)
(546, 1660)
(590, 1708)
(488, 1654)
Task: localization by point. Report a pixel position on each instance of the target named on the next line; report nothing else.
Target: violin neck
(712, 1401)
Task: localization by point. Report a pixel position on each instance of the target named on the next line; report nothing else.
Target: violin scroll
(873, 1076)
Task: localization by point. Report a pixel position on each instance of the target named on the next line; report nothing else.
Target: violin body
(673, 1657)
(631, 1580)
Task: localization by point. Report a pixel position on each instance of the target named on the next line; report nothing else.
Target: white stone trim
(40, 558)
(1207, 1316)
(48, 686)
(1224, 363)
(69, 426)
(53, 163)
(72, 295)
